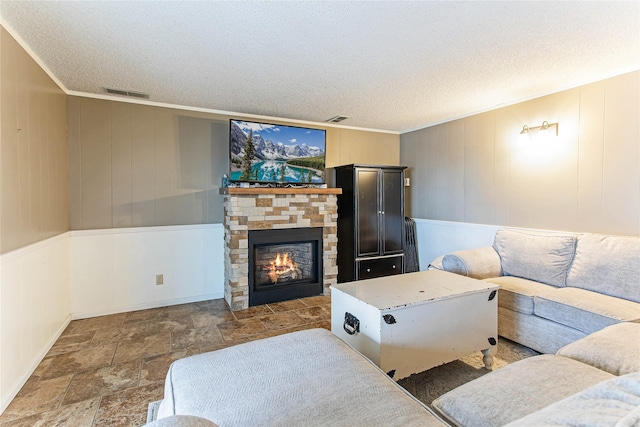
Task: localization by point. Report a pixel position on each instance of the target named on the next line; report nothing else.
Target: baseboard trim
(13, 391)
(145, 306)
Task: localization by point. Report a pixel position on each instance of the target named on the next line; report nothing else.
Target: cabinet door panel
(368, 224)
(392, 206)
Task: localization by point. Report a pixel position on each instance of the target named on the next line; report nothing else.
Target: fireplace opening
(284, 264)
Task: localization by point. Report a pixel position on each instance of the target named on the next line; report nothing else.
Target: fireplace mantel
(276, 190)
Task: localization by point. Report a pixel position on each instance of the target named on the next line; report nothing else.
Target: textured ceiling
(393, 66)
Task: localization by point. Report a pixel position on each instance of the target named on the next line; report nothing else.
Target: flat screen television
(276, 154)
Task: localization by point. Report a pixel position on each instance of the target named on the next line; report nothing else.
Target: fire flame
(283, 263)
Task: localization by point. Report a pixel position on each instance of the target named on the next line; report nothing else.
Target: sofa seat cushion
(584, 310)
(543, 257)
(302, 378)
(615, 349)
(517, 390)
(607, 264)
(615, 402)
(517, 294)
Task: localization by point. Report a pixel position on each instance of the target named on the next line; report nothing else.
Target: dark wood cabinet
(370, 221)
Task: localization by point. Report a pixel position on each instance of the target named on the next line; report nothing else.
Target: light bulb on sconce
(538, 145)
(543, 129)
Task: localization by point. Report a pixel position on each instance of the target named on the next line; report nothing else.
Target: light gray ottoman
(181, 421)
(306, 378)
(517, 390)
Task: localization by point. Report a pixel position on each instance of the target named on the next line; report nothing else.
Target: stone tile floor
(104, 371)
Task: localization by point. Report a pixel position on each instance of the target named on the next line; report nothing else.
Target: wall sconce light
(543, 127)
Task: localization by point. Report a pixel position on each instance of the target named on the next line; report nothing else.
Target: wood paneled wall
(480, 170)
(134, 165)
(34, 189)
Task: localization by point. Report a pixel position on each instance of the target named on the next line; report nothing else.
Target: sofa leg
(487, 358)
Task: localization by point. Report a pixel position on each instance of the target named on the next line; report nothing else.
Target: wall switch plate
(407, 182)
(159, 279)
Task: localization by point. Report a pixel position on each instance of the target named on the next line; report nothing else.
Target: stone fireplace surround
(274, 208)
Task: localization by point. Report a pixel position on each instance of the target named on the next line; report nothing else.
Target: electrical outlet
(407, 182)
(159, 279)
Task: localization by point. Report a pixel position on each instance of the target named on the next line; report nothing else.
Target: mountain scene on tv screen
(262, 152)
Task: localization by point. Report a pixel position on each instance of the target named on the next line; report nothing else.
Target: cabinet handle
(394, 267)
(368, 270)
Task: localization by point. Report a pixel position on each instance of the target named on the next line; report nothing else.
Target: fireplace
(279, 210)
(285, 264)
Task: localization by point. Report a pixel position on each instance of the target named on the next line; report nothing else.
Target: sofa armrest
(480, 263)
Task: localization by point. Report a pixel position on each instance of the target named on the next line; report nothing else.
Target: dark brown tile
(314, 314)
(241, 328)
(172, 324)
(114, 335)
(315, 301)
(95, 323)
(71, 342)
(128, 407)
(283, 320)
(179, 310)
(103, 381)
(144, 315)
(80, 361)
(196, 338)
(275, 332)
(258, 310)
(140, 348)
(41, 367)
(219, 304)
(36, 397)
(154, 369)
(74, 415)
(325, 324)
(203, 319)
(286, 305)
(226, 343)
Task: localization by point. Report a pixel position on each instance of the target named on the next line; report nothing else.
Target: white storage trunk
(409, 323)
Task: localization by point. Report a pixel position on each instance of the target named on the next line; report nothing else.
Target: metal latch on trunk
(351, 324)
(389, 319)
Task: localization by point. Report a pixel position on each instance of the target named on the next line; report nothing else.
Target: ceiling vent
(336, 119)
(127, 93)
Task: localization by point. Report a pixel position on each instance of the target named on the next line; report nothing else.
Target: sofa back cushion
(543, 257)
(607, 264)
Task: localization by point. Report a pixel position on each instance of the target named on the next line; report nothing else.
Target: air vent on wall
(336, 119)
(130, 93)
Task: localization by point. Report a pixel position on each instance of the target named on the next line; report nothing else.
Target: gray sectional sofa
(555, 287)
(594, 381)
(311, 378)
(573, 296)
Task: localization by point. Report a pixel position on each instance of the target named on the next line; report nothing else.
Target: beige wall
(479, 170)
(133, 165)
(34, 189)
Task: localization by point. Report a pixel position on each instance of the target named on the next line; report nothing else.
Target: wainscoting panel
(437, 238)
(114, 270)
(34, 309)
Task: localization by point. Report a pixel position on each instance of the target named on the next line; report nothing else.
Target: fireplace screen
(284, 264)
